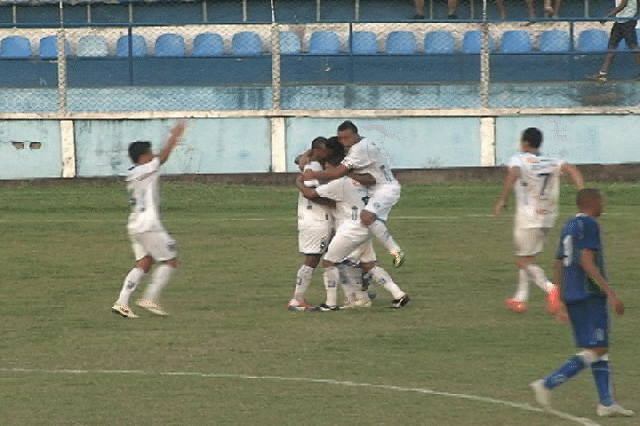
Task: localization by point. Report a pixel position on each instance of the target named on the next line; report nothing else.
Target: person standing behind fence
(624, 28)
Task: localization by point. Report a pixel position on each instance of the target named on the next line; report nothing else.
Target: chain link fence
(271, 66)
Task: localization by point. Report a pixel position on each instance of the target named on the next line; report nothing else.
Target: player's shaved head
(532, 136)
(138, 149)
(348, 125)
(319, 143)
(587, 195)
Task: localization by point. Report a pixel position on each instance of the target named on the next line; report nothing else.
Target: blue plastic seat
(401, 43)
(208, 44)
(138, 46)
(592, 40)
(92, 46)
(324, 43)
(48, 48)
(364, 43)
(515, 41)
(439, 42)
(169, 45)
(554, 41)
(246, 43)
(472, 42)
(15, 47)
(290, 43)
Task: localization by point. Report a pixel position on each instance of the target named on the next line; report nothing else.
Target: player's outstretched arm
(509, 183)
(574, 175)
(307, 192)
(333, 173)
(587, 261)
(366, 179)
(174, 137)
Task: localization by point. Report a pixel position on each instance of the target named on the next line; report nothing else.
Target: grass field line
(259, 219)
(579, 420)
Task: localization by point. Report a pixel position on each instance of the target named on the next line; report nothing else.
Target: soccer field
(230, 353)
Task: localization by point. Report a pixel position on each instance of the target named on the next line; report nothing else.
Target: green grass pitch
(232, 354)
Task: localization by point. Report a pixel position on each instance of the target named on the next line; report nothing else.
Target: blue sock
(573, 366)
(602, 377)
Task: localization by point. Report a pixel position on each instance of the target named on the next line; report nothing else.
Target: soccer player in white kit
(149, 240)
(315, 226)
(351, 198)
(536, 182)
(364, 156)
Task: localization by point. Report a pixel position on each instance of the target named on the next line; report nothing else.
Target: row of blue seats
(248, 43)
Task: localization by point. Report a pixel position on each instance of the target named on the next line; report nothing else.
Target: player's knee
(589, 356)
(171, 262)
(145, 263)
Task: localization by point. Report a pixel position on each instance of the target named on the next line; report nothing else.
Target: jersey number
(545, 181)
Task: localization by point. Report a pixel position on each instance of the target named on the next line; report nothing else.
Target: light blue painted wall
(27, 163)
(409, 143)
(586, 139)
(230, 145)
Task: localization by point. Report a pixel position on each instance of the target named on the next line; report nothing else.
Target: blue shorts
(590, 322)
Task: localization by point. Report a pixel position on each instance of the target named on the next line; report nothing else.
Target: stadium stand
(92, 46)
(290, 43)
(169, 44)
(324, 43)
(15, 47)
(48, 47)
(364, 43)
(208, 44)
(246, 43)
(401, 43)
(472, 42)
(554, 41)
(515, 41)
(439, 42)
(592, 40)
(138, 46)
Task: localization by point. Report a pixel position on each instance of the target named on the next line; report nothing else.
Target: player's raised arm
(574, 175)
(509, 183)
(174, 137)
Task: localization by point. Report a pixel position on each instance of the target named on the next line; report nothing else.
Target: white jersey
(350, 197)
(365, 157)
(144, 198)
(310, 213)
(537, 190)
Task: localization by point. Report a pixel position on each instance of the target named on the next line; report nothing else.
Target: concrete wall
(98, 148)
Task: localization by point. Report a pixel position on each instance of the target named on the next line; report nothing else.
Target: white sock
(130, 284)
(536, 274)
(331, 278)
(381, 277)
(379, 229)
(522, 293)
(303, 279)
(160, 278)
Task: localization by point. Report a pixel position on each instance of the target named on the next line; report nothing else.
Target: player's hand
(561, 314)
(500, 206)
(616, 304)
(308, 175)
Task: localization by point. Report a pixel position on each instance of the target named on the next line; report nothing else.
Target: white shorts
(347, 239)
(530, 241)
(382, 200)
(158, 245)
(314, 239)
(364, 253)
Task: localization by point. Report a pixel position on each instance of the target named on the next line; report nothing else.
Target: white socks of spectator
(130, 284)
(159, 279)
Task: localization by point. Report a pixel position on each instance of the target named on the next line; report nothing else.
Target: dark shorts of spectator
(624, 31)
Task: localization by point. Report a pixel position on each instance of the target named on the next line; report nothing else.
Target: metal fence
(457, 66)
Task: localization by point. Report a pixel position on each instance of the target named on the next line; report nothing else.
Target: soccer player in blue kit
(585, 291)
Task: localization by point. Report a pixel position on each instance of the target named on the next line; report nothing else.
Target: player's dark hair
(532, 136)
(137, 149)
(336, 151)
(587, 194)
(319, 142)
(348, 125)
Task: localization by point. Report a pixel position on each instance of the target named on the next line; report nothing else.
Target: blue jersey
(579, 233)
